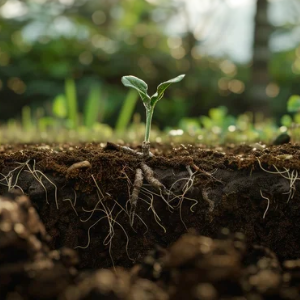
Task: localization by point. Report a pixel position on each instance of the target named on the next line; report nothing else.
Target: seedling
(149, 101)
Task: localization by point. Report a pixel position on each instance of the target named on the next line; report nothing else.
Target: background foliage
(51, 49)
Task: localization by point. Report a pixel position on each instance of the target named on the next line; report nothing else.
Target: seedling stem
(149, 102)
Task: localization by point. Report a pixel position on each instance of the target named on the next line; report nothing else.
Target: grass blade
(126, 111)
(72, 102)
(92, 107)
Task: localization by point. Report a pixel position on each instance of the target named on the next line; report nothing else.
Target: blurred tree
(44, 42)
(258, 100)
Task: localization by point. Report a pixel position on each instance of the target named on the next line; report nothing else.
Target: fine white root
(55, 187)
(127, 212)
(186, 187)
(205, 197)
(88, 234)
(9, 177)
(268, 205)
(138, 182)
(129, 183)
(292, 177)
(37, 175)
(150, 201)
(112, 220)
(73, 204)
(160, 195)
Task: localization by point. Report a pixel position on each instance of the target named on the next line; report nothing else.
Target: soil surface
(190, 222)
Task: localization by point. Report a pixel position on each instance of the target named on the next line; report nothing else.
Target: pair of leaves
(142, 88)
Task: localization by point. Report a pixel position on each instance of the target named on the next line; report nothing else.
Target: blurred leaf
(59, 107)
(286, 120)
(206, 122)
(218, 113)
(126, 111)
(92, 107)
(26, 118)
(45, 123)
(293, 104)
(190, 125)
(71, 102)
(297, 118)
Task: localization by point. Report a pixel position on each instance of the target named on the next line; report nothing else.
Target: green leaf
(139, 85)
(293, 104)
(162, 87)
(59, 107)
(286, 120)
(297, 118)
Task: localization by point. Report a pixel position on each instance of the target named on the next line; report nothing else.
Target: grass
(189, 131)
(218, 127)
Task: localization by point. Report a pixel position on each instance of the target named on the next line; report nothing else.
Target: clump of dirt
(194, 267)
(28, 269)
(84, 197)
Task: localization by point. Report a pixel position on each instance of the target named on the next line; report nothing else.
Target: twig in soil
(125, 149)
(268, 205)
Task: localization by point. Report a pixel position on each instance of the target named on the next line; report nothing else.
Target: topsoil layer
(250, 191)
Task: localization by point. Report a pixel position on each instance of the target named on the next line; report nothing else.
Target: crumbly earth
(82, 196)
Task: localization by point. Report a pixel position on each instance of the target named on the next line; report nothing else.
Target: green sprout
(149, 101)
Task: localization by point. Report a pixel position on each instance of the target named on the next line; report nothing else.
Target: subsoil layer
(209, 223)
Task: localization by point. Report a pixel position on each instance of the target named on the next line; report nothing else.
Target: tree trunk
(258, 101)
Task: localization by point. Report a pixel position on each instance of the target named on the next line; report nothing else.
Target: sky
(230, 31)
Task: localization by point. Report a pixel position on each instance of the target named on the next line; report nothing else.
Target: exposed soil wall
(86, 207)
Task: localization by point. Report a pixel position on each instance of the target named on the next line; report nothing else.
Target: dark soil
(233, 234)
